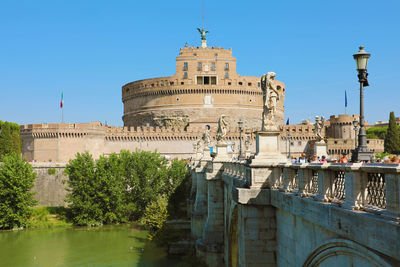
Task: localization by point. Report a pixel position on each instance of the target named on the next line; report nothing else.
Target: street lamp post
(355, 124)
(288, 142)
(361, 153)
(240, 124)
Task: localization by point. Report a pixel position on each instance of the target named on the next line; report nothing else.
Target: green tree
(10, 140)
(82, 187)
(16, 199)
(145, 176)
(392, 139)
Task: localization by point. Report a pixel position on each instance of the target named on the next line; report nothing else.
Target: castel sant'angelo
(169, 114)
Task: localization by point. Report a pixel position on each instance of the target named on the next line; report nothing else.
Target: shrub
(16, 181)
(155, 216)
(52, 171)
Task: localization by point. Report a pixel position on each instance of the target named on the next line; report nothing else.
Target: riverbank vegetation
(131, 186)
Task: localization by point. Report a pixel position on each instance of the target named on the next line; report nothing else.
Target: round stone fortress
(204, 87)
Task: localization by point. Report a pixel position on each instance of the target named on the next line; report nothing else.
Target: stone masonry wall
(50, 188)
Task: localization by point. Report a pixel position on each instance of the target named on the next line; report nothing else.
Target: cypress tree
(392, 139)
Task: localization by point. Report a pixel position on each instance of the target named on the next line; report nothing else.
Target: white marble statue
(318, 127)
(270, 99)
(206, 137)
(222, 129)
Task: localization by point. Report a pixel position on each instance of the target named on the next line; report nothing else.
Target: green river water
(116, 245)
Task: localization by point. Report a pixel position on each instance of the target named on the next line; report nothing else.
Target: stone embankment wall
(50, 183)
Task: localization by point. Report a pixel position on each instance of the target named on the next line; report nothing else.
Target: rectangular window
(226, 74)
(258, 84)
(226, 66)
(200, 80)
(199, 66)
(213, 80)
(185, 75)
(185, 66)
(206, 79)
(213, 66)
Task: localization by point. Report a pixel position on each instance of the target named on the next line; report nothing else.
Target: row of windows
(200, 66)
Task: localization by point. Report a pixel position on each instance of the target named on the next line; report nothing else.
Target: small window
(240, 83)
(345, 141)
(177, 99)
(194, 54)
(335, 142)
(258, 84)
(171, 83)
(229, 83)
(292, 143)
(206, 79)
(215, 55)
(182, 83)
(213, 80)
(226, 66)
(251, 100)
(200, 80)
(152, 85)
(299, 143)
(226, 74)
(162, 83)
(249, 84)
(185, 75)
(185, 66)
(213, 66)
(199, 66)
(367, 141)
(127, 90)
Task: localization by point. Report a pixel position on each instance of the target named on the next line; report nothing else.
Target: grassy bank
(46, 217)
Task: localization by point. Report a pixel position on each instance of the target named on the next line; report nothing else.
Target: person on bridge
(343, 159)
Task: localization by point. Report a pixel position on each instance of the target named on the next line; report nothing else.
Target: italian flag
(62, 100)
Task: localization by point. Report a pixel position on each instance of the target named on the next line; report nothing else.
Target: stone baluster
(324, 184)
(304, 176)
(288, 176)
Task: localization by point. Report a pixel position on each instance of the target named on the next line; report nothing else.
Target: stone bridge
(281, 214)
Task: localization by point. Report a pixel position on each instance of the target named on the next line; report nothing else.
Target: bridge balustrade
(368, 187)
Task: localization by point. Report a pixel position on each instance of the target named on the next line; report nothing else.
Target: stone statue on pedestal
(206, 137)
(222, 129)
(203, 33)
(270, 99)
(247, 142)
(318, 127)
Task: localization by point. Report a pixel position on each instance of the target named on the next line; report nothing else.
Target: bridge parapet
(373, 188)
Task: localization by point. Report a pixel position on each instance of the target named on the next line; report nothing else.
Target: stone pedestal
(221, 151)
(320, 149)
(203, 43)
(267, 147)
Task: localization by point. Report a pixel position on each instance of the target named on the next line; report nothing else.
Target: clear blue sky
(89, 49)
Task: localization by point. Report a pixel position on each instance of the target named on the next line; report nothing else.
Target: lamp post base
(360, 156)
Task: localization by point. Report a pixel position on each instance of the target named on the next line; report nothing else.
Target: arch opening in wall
(343, 252)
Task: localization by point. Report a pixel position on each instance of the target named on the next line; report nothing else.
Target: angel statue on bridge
(222, 129)
(270, 99)
(318, 126)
